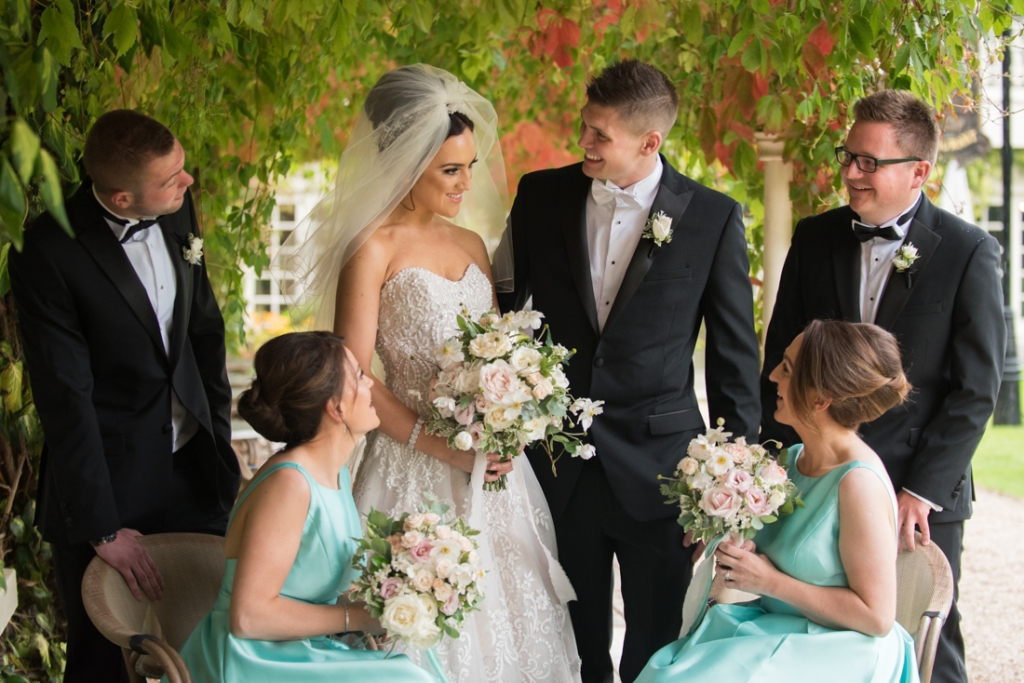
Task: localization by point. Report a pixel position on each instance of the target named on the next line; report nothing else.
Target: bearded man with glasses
(894, 259)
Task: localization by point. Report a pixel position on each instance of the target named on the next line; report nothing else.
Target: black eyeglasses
(865, 163)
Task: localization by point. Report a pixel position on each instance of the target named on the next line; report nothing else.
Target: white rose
(661, 226)
(443, 567)
(423, 580)
(499, 382)
(700, 481)
(443, 531)
(490, 345)
(467, 380)
(411, 539)
(526, 360)
(442, 592)
(688, 466)
(465, 543)
(776, 499)
(500, 418)
(474, 557)
(411, 618)
(558, 378)
(535, 429)
(586, 451)
(463, 441)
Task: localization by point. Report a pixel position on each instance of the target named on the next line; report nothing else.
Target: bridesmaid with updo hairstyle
(826, 574)
(289, 544)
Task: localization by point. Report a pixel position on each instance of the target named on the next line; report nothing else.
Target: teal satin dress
(322, 570)
(768, 641)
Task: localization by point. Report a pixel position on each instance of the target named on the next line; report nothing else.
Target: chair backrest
(924, 584)
(192, 566)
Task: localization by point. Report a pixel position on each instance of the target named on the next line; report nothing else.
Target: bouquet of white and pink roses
(420, 574)
(499, 390)
(733, 488)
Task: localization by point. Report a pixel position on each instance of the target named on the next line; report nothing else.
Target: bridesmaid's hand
(744, 569)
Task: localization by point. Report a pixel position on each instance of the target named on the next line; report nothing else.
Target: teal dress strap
(260, 477)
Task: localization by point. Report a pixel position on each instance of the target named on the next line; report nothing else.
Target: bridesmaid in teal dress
(289, 544)
(827, 573)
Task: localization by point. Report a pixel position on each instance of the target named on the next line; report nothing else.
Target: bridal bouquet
(733, 488)
(420, 574)
(499, 390)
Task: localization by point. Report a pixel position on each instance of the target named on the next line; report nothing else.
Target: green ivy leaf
(58, 29)
(24, 146)
(10, 386)
(49, 190)
(12, 203)
(123, 24)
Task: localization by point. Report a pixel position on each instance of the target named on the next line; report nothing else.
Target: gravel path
(991, 592)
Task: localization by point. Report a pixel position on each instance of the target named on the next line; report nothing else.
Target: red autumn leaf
(604, 22)
(821, 39)
(813, 61)
(759, 86)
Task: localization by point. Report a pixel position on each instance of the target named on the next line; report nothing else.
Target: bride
(392, 271)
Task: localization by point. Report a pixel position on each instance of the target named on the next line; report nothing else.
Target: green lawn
(999, 461)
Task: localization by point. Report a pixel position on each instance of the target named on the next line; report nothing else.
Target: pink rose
(464, 416)
(738, 480)
(737, 452)
(498, 380)
(422, 552)
(757, 502)
(451, 605)
(718, 501)
(390, 587)
(773, 474)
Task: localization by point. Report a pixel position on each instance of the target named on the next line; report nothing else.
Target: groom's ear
(650, 143)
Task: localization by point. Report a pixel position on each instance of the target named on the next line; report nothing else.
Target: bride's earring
(408, 208)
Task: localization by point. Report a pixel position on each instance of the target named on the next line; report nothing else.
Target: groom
(631, 305)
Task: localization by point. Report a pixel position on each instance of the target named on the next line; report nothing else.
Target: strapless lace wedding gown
(522, 633)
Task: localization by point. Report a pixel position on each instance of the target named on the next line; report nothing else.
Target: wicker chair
(924, 594)
(151, 633)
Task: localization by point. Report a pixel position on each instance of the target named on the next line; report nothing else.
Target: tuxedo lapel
(673, 205)
(98, 239)
(846, 265)
(172, 230)
(901, 285)
(574, 218)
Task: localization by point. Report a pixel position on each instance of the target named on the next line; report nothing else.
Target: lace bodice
(418, 310)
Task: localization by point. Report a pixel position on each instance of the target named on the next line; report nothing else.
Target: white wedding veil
(402, 125)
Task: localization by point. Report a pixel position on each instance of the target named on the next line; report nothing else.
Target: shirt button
(598, 362)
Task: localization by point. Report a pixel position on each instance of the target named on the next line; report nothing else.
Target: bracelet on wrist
(415, 432)
(103, 540)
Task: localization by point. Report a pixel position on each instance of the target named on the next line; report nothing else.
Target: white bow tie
(603, 194)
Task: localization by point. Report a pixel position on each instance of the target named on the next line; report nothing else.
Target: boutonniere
(192, 250)
(658, 229)
(905, 258)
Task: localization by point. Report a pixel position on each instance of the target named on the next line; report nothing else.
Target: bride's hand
(496, 467)
(744, 569)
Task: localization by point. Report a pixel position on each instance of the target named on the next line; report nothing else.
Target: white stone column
(778, 218)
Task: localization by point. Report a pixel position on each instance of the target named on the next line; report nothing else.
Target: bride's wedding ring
(728, 575)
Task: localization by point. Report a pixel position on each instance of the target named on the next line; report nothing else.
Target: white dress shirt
(614, 226)
(876, 257)
(147, 250)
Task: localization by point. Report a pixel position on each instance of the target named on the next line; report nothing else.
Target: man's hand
(127, 556)
(913, 512)
(698, 550)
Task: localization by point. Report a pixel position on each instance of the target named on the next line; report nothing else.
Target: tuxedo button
(167, 428)
(955, 494)
(598, 362)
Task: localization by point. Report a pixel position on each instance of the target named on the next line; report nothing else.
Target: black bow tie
(865, 232)
(135, 227)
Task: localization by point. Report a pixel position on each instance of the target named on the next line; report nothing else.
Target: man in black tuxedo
(632, 307)
(125, 346)
(893, 258)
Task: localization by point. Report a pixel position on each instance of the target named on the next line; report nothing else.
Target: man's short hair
(917, 131)
(120, 145)
(643, 96)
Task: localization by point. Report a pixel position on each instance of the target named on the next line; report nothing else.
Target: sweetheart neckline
(430, 272)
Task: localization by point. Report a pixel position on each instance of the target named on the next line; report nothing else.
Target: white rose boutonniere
(658, 228)
(905, 257)
(193, 251)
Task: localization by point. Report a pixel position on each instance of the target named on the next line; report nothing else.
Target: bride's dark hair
(296, 374)
(856, 366)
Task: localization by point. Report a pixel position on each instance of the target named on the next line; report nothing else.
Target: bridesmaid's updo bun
(856, 366)
(296, 374)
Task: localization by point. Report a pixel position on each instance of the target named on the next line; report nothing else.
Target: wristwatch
(103, 540)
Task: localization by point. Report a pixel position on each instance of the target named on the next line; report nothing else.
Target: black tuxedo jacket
(641, 365)
(946, 311)
(102, 380)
